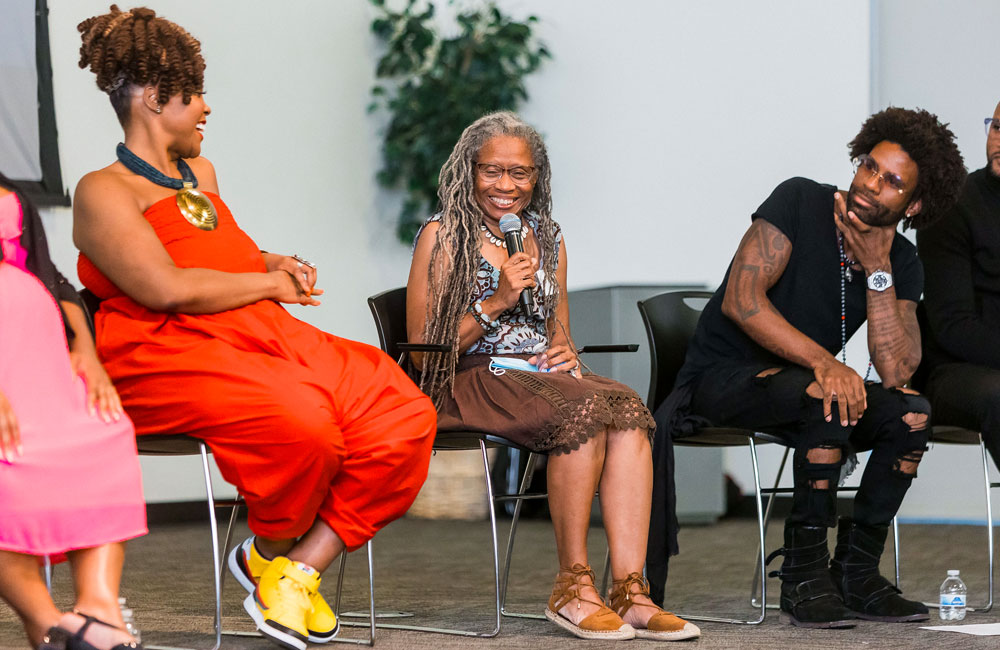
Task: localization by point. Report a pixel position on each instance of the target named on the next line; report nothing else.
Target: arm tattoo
(893, 336)
(759, 262)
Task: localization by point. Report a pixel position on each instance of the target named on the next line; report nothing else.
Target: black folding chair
(389, 311)
(671, 319)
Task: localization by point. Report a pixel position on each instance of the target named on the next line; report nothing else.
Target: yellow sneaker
(247, 565)
(281, 602)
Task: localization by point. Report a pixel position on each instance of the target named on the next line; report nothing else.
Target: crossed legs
(318, 548)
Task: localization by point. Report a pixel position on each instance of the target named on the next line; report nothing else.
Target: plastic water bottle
(953, 593)
(128, 617)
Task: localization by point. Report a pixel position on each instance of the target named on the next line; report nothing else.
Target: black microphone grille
(510, 222)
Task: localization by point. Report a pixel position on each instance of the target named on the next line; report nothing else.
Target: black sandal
(76, 642)
(55, 639)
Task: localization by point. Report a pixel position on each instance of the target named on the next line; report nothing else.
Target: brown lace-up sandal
(662, 626)
(602, 624)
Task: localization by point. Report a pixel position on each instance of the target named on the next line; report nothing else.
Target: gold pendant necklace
(196, 208)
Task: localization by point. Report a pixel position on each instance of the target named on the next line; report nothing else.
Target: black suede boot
(855, 572)
(808, 596)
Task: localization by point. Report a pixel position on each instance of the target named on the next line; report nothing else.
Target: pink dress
(77, 484)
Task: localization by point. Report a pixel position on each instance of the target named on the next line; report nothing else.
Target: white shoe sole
(233, 563)
(234, 567)
(623, 633)
(283, 639)
(689, 631)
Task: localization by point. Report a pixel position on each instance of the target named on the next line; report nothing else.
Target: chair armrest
(424, 347)
(618, 347)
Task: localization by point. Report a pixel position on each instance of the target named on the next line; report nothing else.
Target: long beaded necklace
(845, 276)
(496, 241)
(195, 207)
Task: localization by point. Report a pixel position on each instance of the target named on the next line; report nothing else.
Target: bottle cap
(953, 572)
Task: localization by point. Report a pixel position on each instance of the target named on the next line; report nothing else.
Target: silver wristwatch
(879, 280)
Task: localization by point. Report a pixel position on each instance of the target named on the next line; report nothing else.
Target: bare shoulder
(426, 240)
(100, 188)
(204, 171)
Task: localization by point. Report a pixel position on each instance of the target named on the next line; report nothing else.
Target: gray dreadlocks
(455, 256)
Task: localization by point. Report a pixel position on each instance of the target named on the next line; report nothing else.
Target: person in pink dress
(69, 474)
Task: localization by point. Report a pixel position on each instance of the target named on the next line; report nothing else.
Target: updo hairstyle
(136, 47)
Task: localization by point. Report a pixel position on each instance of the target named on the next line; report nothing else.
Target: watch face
(879, 281)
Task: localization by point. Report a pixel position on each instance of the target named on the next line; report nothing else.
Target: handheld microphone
(510, 226)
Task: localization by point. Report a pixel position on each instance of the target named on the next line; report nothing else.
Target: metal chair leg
(895, 546)
(228, 545)
(607, 572)
(371, 594)
(760, 530)
(496, 568)
(989, 534)
(529, 472)
(767, 520)
(47, 573)
(217, 564)
(989, 523)
(370, 641)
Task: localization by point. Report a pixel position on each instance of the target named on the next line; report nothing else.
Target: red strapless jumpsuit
(302, 422)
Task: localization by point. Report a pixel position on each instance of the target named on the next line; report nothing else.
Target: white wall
(670, 121)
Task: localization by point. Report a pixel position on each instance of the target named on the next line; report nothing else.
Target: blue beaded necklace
(139, 166)
(195, 207)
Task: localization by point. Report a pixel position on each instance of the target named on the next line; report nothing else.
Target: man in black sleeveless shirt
(962, 298)
(815, 264)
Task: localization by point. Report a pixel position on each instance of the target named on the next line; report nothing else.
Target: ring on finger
(303, 261)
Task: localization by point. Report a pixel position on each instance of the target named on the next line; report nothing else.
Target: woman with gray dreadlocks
(517, 375)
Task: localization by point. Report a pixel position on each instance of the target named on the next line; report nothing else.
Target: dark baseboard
(745, 506)
(740, 507)
(180, 512)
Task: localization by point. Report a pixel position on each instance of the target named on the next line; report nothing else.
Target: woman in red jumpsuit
(325, 438)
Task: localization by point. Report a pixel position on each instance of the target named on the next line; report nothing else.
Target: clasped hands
(299, 279)
(841, 383)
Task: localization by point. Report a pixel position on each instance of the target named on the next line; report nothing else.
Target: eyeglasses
(493, 173)
(868, 164)
(992, 126)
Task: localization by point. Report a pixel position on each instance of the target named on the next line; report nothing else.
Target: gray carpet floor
(441, 572)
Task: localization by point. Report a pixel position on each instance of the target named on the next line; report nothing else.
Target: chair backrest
(919, 378)
(670, 319)
(91, 304)
(389, 311)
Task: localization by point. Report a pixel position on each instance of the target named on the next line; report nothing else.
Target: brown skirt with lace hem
(546, 413)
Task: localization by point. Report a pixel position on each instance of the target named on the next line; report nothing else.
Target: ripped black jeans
(778, 403)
